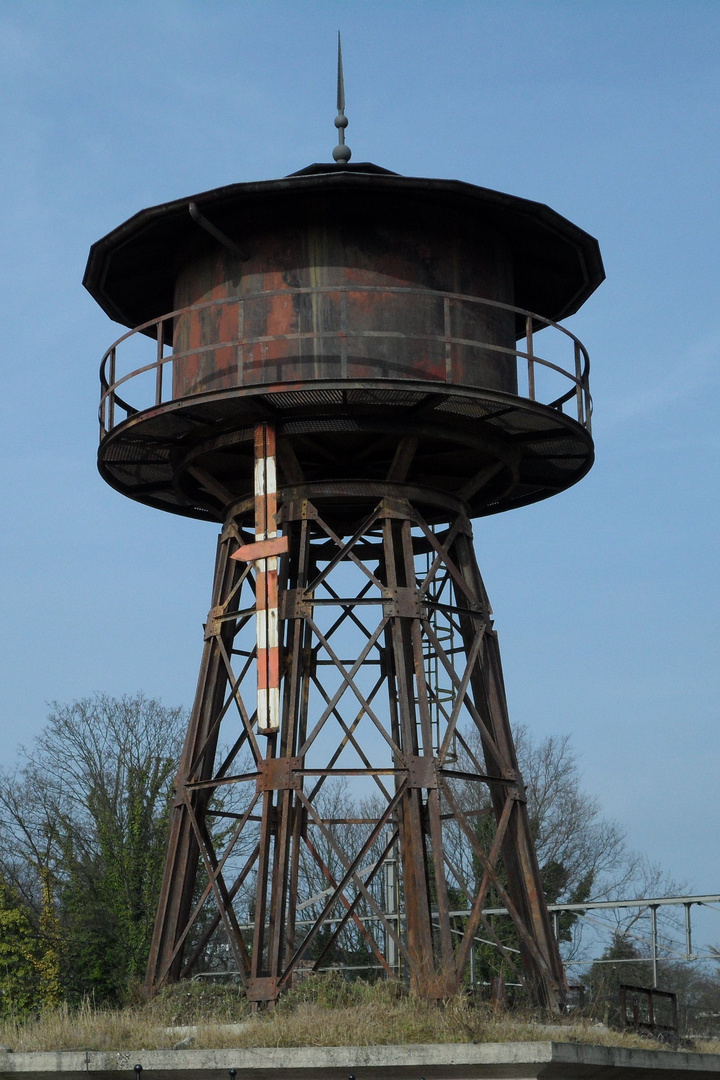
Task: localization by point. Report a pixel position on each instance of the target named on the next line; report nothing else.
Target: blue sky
(605, 597)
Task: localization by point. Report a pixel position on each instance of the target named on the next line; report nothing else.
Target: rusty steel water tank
(358, 309)
(347, 282)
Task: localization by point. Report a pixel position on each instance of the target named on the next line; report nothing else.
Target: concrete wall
(487, 1061)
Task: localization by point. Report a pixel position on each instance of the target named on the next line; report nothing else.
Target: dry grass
(322, 1012)
(707, 1046)
(83, 1029)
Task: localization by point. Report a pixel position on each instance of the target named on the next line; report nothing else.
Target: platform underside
(345, 441)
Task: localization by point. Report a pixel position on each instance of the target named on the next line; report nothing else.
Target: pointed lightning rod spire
(341, 153)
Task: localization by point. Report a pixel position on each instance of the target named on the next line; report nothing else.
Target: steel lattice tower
(335, 381)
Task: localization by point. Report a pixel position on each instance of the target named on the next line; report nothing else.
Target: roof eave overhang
(171, 225)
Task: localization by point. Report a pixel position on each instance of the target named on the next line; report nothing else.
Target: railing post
(241, 339)
(159, 361)
(447, 327)
(531, 357)
(688, 933)
(674, 1009)
(654, 936)
(111, 393)
(343, 333)
(579, 385)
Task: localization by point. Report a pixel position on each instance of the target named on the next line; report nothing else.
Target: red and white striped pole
(264, 554)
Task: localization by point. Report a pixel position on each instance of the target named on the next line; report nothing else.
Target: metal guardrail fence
(155, 388)
(658, 951)
(647, 1009)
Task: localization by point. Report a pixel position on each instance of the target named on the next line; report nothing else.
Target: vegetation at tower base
(82, 832)
(581, 853)
(324, 1011)
(82, 837)
(21, 956)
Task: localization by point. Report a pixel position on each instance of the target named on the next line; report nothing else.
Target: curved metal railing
(536, 368)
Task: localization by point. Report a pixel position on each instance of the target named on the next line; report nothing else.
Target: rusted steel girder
(392, 686)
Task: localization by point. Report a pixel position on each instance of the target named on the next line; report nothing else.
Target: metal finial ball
(341, 153)
(341, 121)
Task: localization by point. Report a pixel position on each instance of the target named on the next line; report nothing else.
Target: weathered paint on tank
(346, 246)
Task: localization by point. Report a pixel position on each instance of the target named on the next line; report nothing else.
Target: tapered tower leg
(394, 733)
(187, 841)
(538, 946)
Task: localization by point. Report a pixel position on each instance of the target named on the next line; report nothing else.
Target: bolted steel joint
(403, 603)
(214, 623)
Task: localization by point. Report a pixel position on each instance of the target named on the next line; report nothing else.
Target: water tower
(346, 367)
